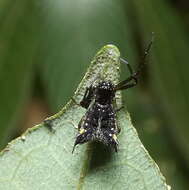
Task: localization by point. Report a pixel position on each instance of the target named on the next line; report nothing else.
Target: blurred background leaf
(18, 43)
(46, 46)
(168, 89)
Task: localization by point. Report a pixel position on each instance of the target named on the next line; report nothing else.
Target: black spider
(99, 122)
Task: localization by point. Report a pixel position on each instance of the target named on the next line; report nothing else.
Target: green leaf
(42, 159)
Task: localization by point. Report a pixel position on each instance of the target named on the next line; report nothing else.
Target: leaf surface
(42, 159)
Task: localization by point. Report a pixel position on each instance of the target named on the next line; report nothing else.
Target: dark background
(46, 47)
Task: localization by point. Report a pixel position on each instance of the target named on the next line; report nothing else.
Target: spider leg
(146, 52)
(127, 64)
(133, 79)
(87, 98)
(128, 83)
(118, 109)
(75, 102)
